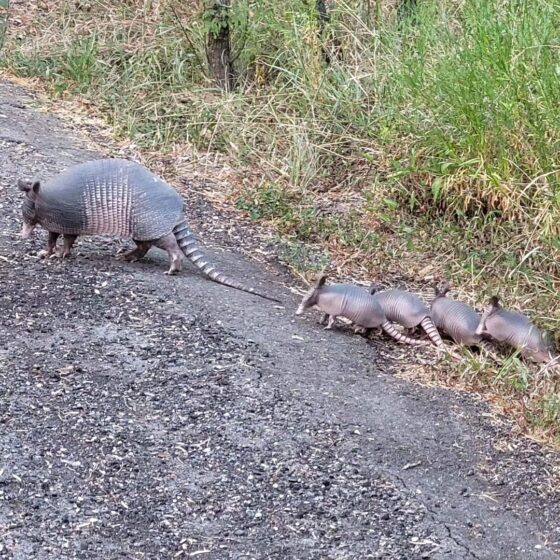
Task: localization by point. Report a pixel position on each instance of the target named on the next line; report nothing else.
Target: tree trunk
(218, 43)
(4, 14)
(406, 9)
(324, 18)
(323, 13)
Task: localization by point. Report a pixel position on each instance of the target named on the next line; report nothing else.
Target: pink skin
(26, 231)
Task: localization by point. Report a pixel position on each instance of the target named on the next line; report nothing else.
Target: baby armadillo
(517, 331)
(407, 310)
(457, 319)
(345, 300)
(121, 198)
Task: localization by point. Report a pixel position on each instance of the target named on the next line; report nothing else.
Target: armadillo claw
(127, 257)
(60, 255)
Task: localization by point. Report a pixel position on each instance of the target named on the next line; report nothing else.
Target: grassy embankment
(425, 149)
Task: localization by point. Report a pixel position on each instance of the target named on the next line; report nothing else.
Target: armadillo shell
(457, 319)
(109, 197)
(402, 307)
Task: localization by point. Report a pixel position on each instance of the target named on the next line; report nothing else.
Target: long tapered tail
(196, 254)
(390, 329)
(431, 330)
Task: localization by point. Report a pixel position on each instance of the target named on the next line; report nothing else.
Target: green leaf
(4, 3)
(470, 163)
(437, 188)
(412, 201)
(391, 204)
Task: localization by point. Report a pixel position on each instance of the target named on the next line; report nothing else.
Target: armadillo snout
(540, 356)
(300, 310)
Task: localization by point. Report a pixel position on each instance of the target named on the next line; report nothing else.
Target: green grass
(425, 149)
(4, 12)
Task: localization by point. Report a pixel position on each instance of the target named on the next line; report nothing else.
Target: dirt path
(143, 416)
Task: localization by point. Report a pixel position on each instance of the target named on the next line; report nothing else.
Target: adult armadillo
(121, 198)
(407, 310)
(516, 330)
(457, 319)
(345, 300)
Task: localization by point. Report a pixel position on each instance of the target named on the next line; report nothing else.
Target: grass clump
(427, 147)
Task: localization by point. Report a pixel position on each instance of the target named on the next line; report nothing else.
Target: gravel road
(148, 417)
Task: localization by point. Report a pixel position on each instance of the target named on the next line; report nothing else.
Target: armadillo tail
(431, 330)
(194, 252)
(399, 336)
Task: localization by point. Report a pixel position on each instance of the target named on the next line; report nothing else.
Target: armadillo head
(312, 295)
(544, 350)
(441, 292)
(29, 206)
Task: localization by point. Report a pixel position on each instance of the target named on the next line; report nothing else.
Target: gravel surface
(144, 416)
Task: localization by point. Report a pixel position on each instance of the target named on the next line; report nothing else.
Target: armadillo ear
(24, 186)
(321, 279)
(375, 288)
(548, 339)
(494, 302)
(481, 329)
(445, 288)
(30, 187)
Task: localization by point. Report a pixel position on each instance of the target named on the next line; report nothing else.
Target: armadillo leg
(324, 318)
(431, 330)
(487, 346)
(368, 331)
(364, 331)
(66, 248)
(330, 324)
(142, 247)
(169, 243)
(68, 243)
(490, 349)
(51, 243)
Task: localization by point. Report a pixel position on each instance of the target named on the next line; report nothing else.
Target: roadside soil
(145, 416)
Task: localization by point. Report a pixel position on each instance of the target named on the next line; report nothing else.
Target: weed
(4, 13)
